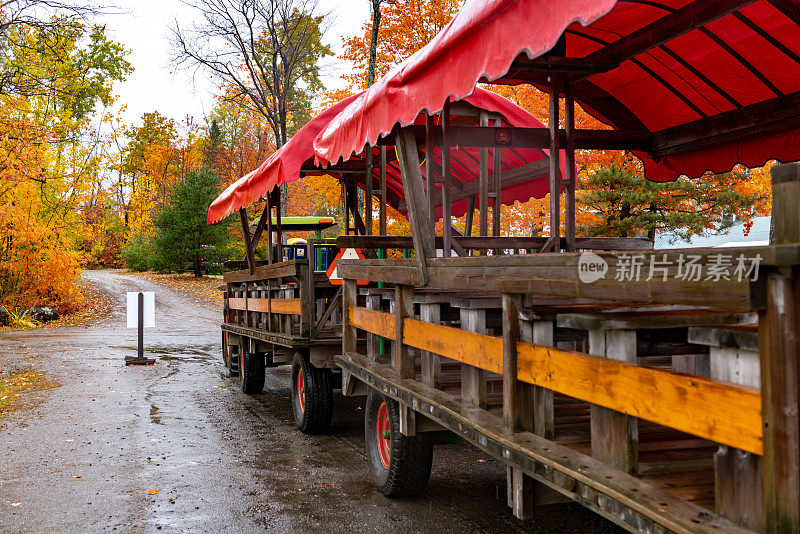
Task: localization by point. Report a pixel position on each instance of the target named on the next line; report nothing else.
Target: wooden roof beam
(756, 119)
(666, 28)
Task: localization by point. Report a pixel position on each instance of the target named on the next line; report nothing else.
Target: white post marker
(141, 315)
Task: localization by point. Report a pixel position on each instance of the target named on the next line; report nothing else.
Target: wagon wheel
(400, 465)
(251, 370)
(312, 395)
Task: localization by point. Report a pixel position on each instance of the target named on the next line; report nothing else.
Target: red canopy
(714, 82)
(284, 165)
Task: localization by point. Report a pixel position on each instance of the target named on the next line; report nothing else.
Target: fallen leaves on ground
(204, 289)
(15, 386)
(152, 491)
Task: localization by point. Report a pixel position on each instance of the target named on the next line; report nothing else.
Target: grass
(22, 320)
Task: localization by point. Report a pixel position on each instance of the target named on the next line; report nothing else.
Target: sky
(143, 28)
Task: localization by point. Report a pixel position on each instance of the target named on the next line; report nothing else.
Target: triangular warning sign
(348, 254)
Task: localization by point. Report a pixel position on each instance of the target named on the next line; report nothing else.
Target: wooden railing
(710, 409)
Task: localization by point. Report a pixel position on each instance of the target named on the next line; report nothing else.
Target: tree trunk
(373, 44)
(198, 272)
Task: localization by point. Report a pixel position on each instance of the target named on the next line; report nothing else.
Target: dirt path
(90, 457)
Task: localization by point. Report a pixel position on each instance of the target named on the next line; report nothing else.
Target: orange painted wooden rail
(283, 306)
(719, 411)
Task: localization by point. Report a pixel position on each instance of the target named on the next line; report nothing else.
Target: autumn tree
(184, 240)
(624, 204)
(56, 71)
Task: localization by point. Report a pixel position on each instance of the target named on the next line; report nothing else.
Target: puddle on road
(180, 354)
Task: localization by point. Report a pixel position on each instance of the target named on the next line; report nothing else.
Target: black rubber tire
(410, 458)
(316, 413)
(251, 370)
(233, 355)
(226, 352)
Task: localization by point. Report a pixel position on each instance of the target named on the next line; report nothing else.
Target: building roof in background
(732, 237)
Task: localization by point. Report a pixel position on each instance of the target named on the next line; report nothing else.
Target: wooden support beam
(520, 137)
(403, 355)
(308, 303)
(349, 331)
(569, 167)
(779, 342)
(262, 221)
(346, 199)
(470, 216)
(278, 229)
(447, 234)
(419, 219)
(382, 214)
(373, 340)
(358, 222)
(270, 256)
(762, 118)
(541, 332)
(517, 405)
(555, 168)
(248, 248)
(497, 185)
(368, 190)
(738, 484)
(483, 185)
(430, 162)
(473, 379)
(431, 362)
(615, 436)
(668, 27)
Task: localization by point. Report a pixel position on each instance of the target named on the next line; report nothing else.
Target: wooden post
(483, 186)
(738, 488)
(368, 191)
(470, 216)
(430, 160)
(349, 333)
(447, 229)
(431, 363)
(569, 166)
(269, 229)
(780, 370)
(382, 223)
(248, 249)
(403, 356)
(278, 230)
(346, 199)
(373, 341)
(555, 168)
(615, 435)
(418, 217)
(496, 190)
(473, 380)
(308, 308)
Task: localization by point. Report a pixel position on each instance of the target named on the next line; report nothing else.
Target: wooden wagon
(657, 388)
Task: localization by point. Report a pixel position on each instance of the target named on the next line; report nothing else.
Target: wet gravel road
(90, 457)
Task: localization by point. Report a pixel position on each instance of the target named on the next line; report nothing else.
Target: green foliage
(185, 241)
(138, 253)
(629, 205)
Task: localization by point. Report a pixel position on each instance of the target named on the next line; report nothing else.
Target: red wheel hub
(301, 390)
(384, 436)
